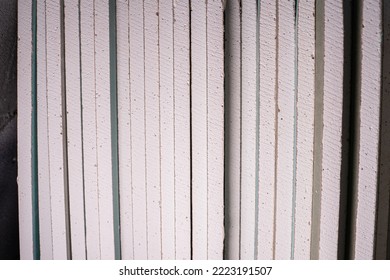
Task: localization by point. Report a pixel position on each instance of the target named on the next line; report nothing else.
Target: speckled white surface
(45, 215)
(285, 130)
(332, 129)
(56, 130)
(368, 131)
(304, 129)
(24, 124)
(207, 129)
(282, 177)
(248, 137)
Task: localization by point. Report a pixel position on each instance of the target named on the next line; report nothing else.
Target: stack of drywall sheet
(126, 149)
(108, 130)
(284, 96)
(207, 72)
(367, 130)
(154, 129)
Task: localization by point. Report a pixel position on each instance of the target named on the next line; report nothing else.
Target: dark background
(9, 232)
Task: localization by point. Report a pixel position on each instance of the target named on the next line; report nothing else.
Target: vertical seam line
(255, 249)
(207, 129)
(82, 128)
(276, 125)
(318, 128)
(131, 142)
(114, 128)
(159, 125)
(34, 137)
(65, 133)
(174, 120)
(96, 149)
(146, 166)
(295, 128)
(48, 138)
(240, 205)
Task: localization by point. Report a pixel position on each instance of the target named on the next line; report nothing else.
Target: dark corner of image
(9, 229)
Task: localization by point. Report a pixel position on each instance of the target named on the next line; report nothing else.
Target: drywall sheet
(25, 139)
(285, 118)
(304, 129)
(267, 129)
(367, 130)
(199, 130)
(182, 128)
(207, 129)
(329, 94)
(152, 133)
(248, 130)
(137, 92)
(45, 214)
(167, 113)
